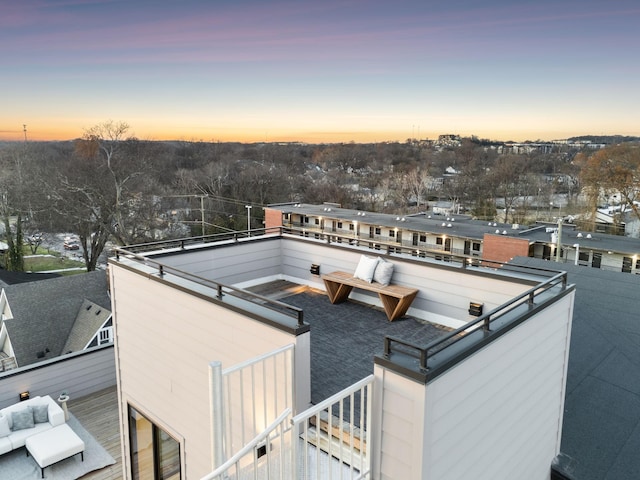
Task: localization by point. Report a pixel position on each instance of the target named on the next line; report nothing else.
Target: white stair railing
(336, 435)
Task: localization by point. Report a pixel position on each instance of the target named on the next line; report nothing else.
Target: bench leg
(396, 307)
(337, 292)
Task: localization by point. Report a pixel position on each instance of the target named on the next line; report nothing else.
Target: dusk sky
(320, 71)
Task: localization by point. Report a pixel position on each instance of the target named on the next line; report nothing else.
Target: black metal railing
(221, 290)
(484, 323)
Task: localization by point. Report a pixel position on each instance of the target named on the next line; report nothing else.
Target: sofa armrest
(56, 414)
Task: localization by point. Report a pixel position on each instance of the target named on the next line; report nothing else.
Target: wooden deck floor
(98, 414)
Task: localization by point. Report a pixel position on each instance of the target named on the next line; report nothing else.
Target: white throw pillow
(383, 273)
(4, 426)
(366, 268)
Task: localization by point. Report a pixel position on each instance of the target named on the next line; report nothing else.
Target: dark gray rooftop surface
(346, 336)
(45, 312)
(601, 429)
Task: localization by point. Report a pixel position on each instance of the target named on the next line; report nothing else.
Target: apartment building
(218, 381)
(460, 235)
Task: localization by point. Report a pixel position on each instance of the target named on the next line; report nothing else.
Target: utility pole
(559, 245)
(202, 212)
(24, 129)
(248, 207)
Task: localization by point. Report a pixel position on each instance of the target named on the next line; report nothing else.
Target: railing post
(423, 359)
(486, 325)
(217, 414)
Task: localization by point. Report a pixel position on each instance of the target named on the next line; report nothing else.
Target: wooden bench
(395, 298)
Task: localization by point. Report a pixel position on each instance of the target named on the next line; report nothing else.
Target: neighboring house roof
(601, 428)
(11, 278)
(91, 317)
(45, 313)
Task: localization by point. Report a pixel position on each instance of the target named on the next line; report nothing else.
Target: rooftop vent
(579, 235)
(589, 235)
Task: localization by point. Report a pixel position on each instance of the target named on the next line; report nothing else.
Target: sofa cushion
(40, 413)
(22, 419)
(366, 268)
(4, 426)
(5, 445)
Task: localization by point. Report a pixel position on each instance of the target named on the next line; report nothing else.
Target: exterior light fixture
(475, 309)
(23, 396)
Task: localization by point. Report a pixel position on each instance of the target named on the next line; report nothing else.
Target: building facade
(485, 401)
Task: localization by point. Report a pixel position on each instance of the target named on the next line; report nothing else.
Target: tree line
(108, 185)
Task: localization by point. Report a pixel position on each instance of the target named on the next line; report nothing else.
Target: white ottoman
(54, 445)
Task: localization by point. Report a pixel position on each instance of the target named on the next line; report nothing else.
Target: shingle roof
(44, 312)
(90, 319)
(601, 428)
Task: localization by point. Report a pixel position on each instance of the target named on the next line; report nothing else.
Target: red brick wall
(503, 248)
(272, 218)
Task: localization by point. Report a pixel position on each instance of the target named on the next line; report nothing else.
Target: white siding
(498, 414)
(165, 339)
(398, 424)
(444, 290)
(79, 374)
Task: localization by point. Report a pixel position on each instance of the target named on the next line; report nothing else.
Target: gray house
(47, 318)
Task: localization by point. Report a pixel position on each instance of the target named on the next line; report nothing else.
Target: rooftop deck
(98, 414)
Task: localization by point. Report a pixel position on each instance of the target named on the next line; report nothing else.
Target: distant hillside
(608, 139)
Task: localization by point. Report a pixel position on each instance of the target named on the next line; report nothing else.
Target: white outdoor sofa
(14, 436)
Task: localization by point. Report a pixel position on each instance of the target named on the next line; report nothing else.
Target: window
(626, 264)
(414, 240)
(476, 246)
(392, 233)
(351, 227)
(597, 260)
(339, 224)
(317, 221)
(105, 335)
(155, 455)
(439, 241)
(423, 238)
(378, 231)
(306, 219)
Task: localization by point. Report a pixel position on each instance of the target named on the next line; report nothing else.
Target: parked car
(71, 244)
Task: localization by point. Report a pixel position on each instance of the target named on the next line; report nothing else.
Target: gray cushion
(22, 419)
(40, 413)
(383, 273)
(366, 267)
(4, 426)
